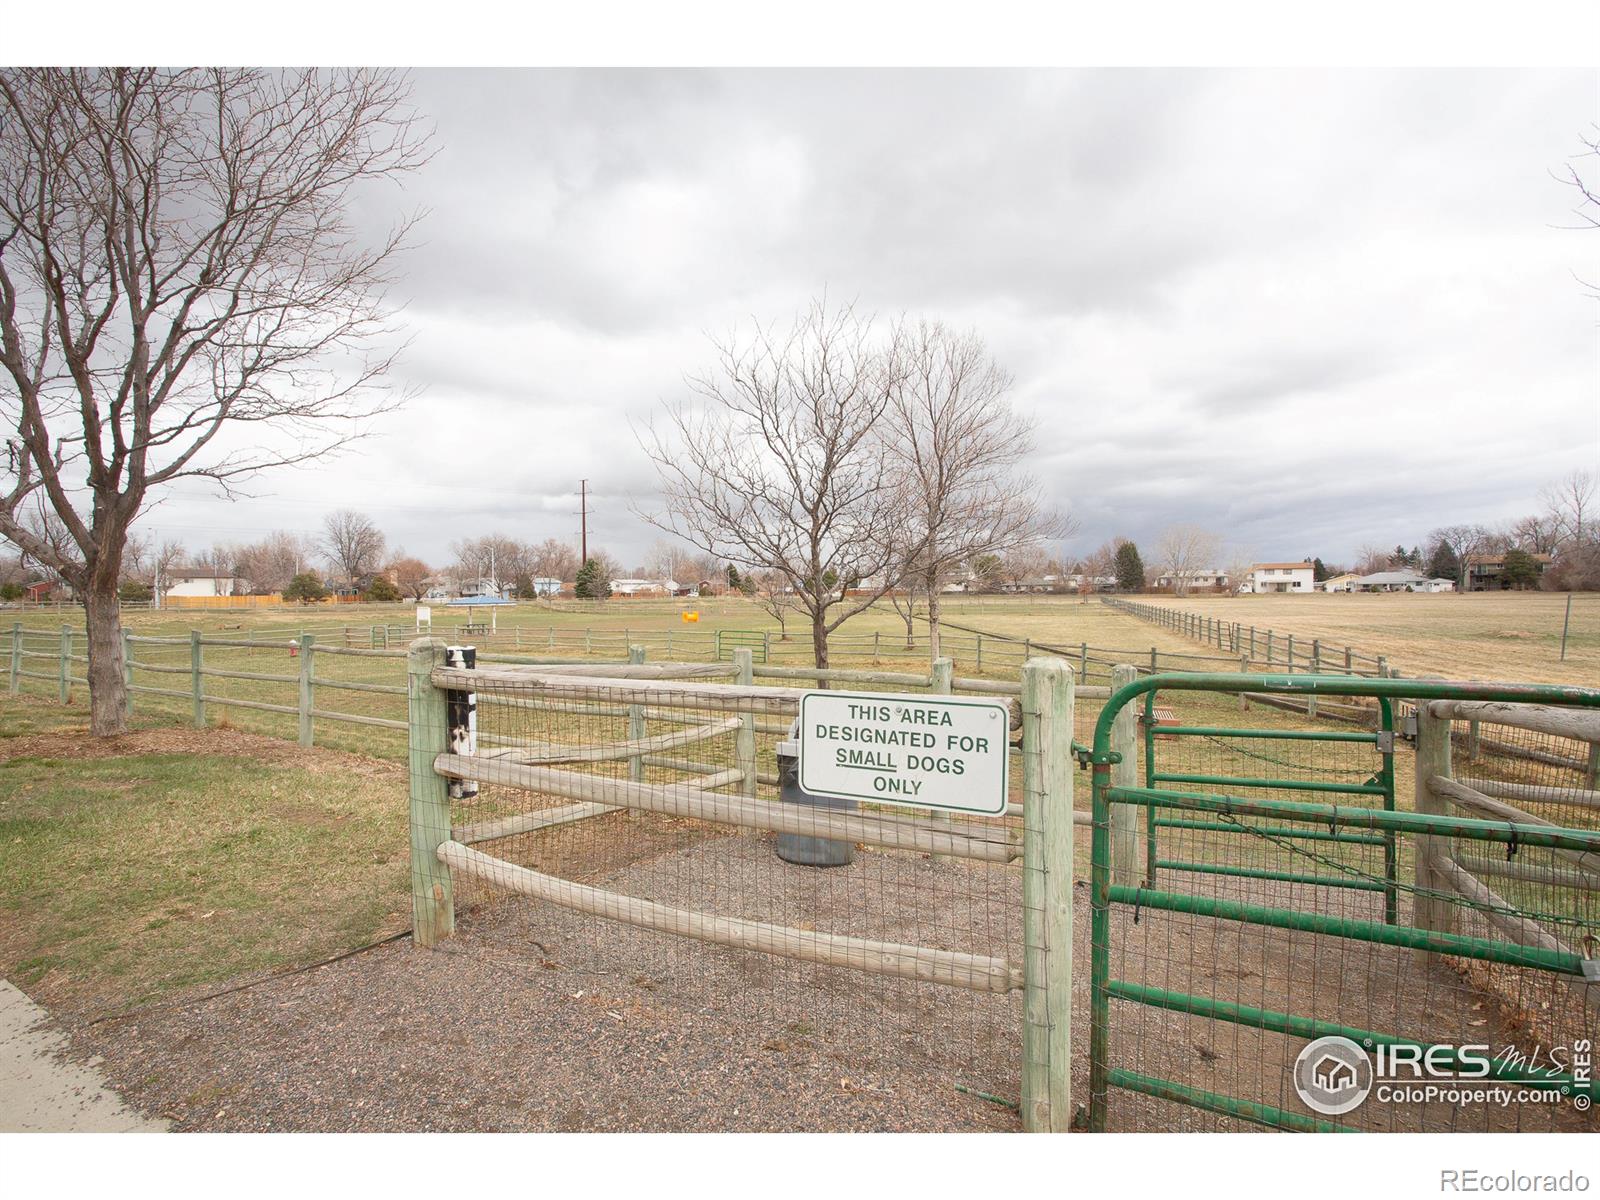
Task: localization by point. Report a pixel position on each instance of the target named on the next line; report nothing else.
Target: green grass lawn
(159, 863)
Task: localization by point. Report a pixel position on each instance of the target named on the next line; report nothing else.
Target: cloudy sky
(1309, 310)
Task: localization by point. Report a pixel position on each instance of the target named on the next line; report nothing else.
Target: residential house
(484, 587)
(1280, 577)
(1340, 583)
(200, 581)
(1201, 579)
(644, 587)
(1486, 572)
(1400, 581)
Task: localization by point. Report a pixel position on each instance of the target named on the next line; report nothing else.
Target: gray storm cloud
(1310, 310)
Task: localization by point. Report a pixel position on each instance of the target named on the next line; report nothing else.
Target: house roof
(197, 573)
(1280, 566)
(1382, 577)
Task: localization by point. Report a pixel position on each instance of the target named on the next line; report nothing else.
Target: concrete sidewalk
(42, 1093)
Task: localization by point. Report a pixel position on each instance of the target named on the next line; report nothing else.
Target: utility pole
(583, 515)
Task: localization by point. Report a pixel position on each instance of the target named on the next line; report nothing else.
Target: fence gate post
(64, 669)
(432, 899)
(127, 673)
(16, 656)
(1047, 693)
(745, 740)
(636, 723)
(196, 680)
(307, 698)
(1432, 758)
(1125, 817)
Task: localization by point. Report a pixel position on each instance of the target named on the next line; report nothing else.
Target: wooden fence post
(636, 728)
(196, 680)
(127, 674)
(16, 656)
(1125, 818)
(1047, 695)
(433, 914)
(977, 664)
(307, 684)
(745, 739)
(64, 668)
(1432, 758)
(1244, 669)
(1083, 663)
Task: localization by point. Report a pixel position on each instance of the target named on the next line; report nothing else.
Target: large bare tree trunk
(107, 687)
(819, 641)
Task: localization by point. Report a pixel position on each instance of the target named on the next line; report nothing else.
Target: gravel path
(535, 1018)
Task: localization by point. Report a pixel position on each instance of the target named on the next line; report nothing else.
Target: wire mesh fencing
(651, 832)
(1286, 896)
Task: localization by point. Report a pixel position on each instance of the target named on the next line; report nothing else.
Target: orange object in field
(691, 615)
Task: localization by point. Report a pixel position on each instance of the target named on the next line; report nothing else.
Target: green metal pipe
(1458, 944)
(1337, 685)
(1289, 785)
(1544, 836)
(1309, 1027)
(1288, 735)
(1362, 885)
(1283, 831)
(1099, 946)
(1227, 1106)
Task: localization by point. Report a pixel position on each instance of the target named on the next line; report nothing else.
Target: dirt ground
(533, 1018)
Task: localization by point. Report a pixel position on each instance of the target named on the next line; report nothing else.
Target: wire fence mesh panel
(1292, 893)
(638, 834)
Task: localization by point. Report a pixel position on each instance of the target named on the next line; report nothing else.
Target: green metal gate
(1378, 784)
(1269, 910)
(729, 640)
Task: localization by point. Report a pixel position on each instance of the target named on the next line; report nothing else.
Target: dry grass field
(1481, 635)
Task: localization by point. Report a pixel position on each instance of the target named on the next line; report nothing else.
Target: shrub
(305, 588)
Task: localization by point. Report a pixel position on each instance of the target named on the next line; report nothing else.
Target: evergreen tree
(1521, 570)
(1318, 571)
(1130, 568)
(1444, 564)
(1414, 559)
(591, 582)
(1399, 559)
(305, 587)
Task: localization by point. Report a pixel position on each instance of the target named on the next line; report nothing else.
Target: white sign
(424, 617)
(922, 751)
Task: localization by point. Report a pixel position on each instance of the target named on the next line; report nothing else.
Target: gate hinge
(1386, 741)
(1591, 969)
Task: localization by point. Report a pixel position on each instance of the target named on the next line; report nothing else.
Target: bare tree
(958, 445)
(1570, 507)
(553, 559)
(777, 599)
(1588, 190)
(493, 556)
(176, 261)
(1462, 541)
(1239, 562)
(779, 466)
(412, 576)
(352, 544)
(1183, 551)
(670, 560)
(270, 564)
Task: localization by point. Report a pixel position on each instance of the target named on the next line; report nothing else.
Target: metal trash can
(799, 848)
